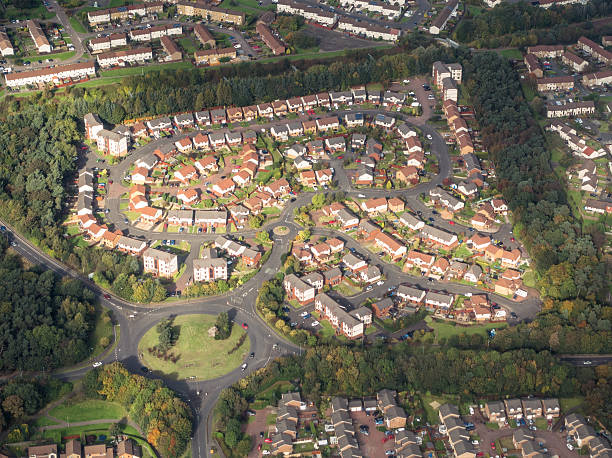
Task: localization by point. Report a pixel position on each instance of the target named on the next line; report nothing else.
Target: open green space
(129, 71)
(90, 409)
(198, 354)
(38, 12)
(45, 421)
(77, 26)
(511, 53)
(432, 413)
(568, 404)
(62, 55)
(102, 334)
(446, 330)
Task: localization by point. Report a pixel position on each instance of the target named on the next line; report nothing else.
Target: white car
(315, 324)
(244, 366)
(303, 314)
(380, 282)
(97, 364)
(429, 137)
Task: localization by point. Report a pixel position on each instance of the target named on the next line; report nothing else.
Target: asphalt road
(240, 303)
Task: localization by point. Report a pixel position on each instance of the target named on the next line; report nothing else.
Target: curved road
(240, 303)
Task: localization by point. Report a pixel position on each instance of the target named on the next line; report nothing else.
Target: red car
(259, 447)
(340, 157)
(245, 326)
(106, 296)
(267, 440)
(493, 445)
(452, 223)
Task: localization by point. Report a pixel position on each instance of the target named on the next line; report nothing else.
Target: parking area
(371, 444)
(335, 41)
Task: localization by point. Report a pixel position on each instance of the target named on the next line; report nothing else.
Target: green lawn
(567, 404)
(446, 330)
(199, 355)
(316, 55)
(432, 413)
(511, 54)
(188, 45)
(129, 71)
(529, 279)
(77, 26)
(91, 409)
(45, 421)
(38, 12)
(62, 55)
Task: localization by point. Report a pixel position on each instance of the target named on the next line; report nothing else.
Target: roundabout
(196, 355)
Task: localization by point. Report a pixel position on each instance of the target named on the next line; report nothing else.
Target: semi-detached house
(298, 290)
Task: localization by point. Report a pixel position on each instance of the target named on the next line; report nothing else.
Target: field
(129, 71)
(91, 409)
(511, 54)
(39, 12)
(200, 356)
(446, 330)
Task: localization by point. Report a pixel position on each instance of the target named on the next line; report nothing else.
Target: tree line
(46, 320)
(163, 417)
(522, 24)
(567, 258)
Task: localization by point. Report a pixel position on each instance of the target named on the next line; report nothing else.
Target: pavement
(135, 320)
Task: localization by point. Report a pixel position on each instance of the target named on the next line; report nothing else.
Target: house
(295, 105)
(345, 323)
(184, 145)
(353, 263)
(473, 274)
(128, 448)
(210, 267)
(184, 120)
(321, 251)
(188, 196)
(307, 178)
(364, 176)
(250, 113)
(333, 276)
(43, 451)
(278, 188)
(339, 404)
(347, 219)
(374, 206)
(532, 408)
(370, 274)
(514, 409)
(242, 178)
(448, 411)
(478, 242)
(186, 174)
(298, 290)
(395, 417)
(210, 218)
(495, 411)
(329, 123)
(440, 267)
(410, 294)
(551, 408)
(234, 114)
(280, 106)
(150, 214)
(355, 405)
(533, 65)
(382, 308)
(282, 444)
(224, 187)
(352, 120)
(506, 287)
(295, 128)
(389, 245)
(437, 236)
(180, 217)
(131, 246)
(96, 451)
(384, 121)
(499, 206)
(411, 221)
(206, 165)
(324, 176)
(386, 399)
(335, 144)
(439, 300)
(280, 132)
(203, 118)
(407, 174)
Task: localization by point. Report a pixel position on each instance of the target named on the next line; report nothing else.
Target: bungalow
(186, 174)
(224, 187)
(410, 294)
(440, 300)
(329, 123)
(364, 176)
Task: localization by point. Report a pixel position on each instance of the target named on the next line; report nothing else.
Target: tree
(224, 326)
(304, 235)
(318, 200)
(255, 221)
(263, 237)
(14, 406)
(114, 429)
(168, 334)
